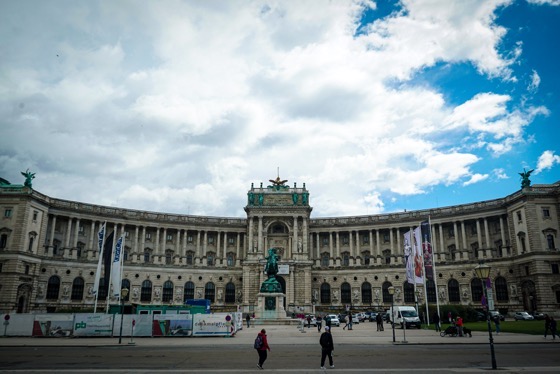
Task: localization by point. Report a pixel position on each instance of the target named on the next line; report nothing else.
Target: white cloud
(535, 82)
(475, 178)
(179, 108)
(546, 161)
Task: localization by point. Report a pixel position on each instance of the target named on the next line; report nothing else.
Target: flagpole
(434, 264)
(101, 244)
(111, 264)
(424, 276)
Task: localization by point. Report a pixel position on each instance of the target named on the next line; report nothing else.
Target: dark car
(495, 313)
(538, 315)
(372, 317)
(387, 317)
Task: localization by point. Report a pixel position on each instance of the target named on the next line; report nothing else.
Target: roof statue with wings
(278, 183)
(525, 181)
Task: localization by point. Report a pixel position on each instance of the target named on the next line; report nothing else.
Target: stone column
(260, 236)
(480, 253)
(488, 253)
(464, 236)
(295, 246)
(503, 237)
(91, 248)
(251, 248)
(371, 255)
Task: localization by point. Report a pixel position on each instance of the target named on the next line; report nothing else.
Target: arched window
(210, 259)
(77, 289)
(146, 256)
(325, 260)
(210, 291)
(31, 244)
(501, 289)
(53, 287)
(167, 295)
(387, 256)
(366, 293)
(190, 258)
(345, 293)
(408, 292)
(230, 259)
(431, 290)
(3, 241)
(230, 293)
(125, 283)
(385, 289)
(146, 292)
(168, 257)
(550, 241)
(453, 290)
(476, 289)
(346, 259)
(189, 291)
(325, 293)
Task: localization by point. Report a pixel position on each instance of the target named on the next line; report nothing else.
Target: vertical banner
(408, 258)
(116, 268)
(427, 251)
(100, 243)
(418, 255)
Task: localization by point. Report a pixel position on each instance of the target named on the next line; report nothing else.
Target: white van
(405, 314)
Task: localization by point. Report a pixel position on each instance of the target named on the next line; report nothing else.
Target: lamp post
(124, 294)
(483, 272)
(391, 291)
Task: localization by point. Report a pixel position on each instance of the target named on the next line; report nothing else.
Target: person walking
(553, 326)
(379, 320)
(248, 319)
(319, 323)
(436, 320)
(459, 325)
(346, 319)
(263, 348)
(327, 347)
(497, 323)
(546, 325)
(328, 322)
(309, 321)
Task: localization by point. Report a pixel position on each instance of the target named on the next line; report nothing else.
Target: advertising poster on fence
(172, 325)
(211, 324)
(86, 324)
(53, 325)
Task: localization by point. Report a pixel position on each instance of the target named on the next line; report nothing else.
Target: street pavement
(362, 334)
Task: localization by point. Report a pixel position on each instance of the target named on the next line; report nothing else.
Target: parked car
(538, 315)
(361, 316)
(480, 316)
(523, 316)
(334, 320)
(387, 317)
(495, 313)
(355, 318)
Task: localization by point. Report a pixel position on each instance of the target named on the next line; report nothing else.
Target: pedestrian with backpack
(327, 346)
(261, 345)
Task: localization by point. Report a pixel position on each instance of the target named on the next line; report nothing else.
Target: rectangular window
(35, 216)
(231, 241)
(148, 236)
(519, 216)
(189, 239)
(451, 232)
(169, 237)
(345, 239)
(81, 229)
(210, 240)
(546, 213)
(365, 239)
(554, 268)
(7, 213)
(325, 240)
(386, 238)
(473, 229)
(126, 234)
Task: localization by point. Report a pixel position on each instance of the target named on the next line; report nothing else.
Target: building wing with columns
(49, 255)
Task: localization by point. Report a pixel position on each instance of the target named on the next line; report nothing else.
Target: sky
(377, 106)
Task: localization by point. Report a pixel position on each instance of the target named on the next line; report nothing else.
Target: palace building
(49, 253)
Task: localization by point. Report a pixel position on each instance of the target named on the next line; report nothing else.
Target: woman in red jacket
(262, 351)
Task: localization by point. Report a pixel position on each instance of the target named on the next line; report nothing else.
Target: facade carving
(49, 255)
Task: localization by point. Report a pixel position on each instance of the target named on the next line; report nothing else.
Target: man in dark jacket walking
(327, 346)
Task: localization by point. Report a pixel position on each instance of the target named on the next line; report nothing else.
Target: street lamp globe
(482, 271)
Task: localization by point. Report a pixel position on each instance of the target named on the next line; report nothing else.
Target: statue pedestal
(270, 309)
